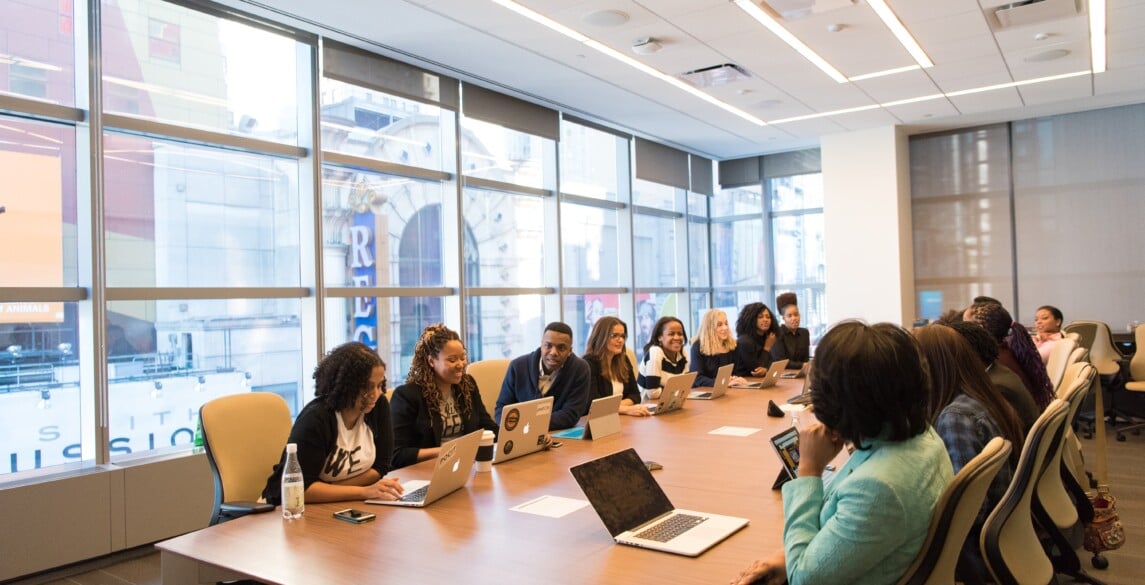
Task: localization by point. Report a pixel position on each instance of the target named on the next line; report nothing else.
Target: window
(797, 252)
(163, 40)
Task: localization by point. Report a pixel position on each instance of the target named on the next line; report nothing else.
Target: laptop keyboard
(416, 495)
(671, 528)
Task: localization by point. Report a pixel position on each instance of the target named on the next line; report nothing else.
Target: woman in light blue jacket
(869, 389)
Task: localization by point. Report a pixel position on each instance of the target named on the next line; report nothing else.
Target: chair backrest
(1083, 330)
(489, 375)
(1010, 544)
(1074, 335)
(1137, 364)
(633, 360)
(244, 435)
(1051, 490)
(954, 515)
(1102, 353)
(1059, 359)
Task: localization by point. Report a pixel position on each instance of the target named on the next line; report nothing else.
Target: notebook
(723, 376)
(449, 473)
(636, 511)
(804, 397)
(769, 379)
(673, 394)
(524, 429)
(603, 420)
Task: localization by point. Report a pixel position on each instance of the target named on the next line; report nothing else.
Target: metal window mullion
(384, 167)
(198, 136)
(95, 429)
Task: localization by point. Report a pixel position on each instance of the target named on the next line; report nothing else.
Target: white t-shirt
(353, 454)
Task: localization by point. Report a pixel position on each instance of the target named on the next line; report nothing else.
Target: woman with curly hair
(438, 402)
(344, 436)
(756, 331)
(1016, 350)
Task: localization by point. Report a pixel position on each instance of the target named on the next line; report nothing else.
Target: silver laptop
(636, 511)
(603, 420)
(770, 378)
(673, 394)
(524, 429)
(449, 474)
(804, 397)
(801, 372)
(723, 376)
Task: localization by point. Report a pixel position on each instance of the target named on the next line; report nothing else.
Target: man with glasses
(551, 370)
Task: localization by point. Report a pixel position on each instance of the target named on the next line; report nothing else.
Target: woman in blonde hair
(438, 402)
(713, 348)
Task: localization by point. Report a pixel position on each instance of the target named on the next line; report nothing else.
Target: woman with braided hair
(1015, 349)
(438, 402)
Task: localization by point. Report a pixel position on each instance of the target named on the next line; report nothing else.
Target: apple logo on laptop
(456, 466)
(526, 429)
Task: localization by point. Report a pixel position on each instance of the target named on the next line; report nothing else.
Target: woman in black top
(757, 331)
(608, 365)
(438, 402)
(712, 349)
(794, 343)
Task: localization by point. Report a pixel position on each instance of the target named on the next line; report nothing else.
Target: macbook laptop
(673, 394)
(603, 420)
(723, 376)
(524, 429)
(803, 397)
(801, 372)
(769, 379)
(451, 471)
(636, 511)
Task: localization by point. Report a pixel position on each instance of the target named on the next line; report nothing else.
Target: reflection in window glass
(179, 215)
(700, 305)
(796, 192)
(738, 253)
(39, 386)
(698, 248)
(38, 194)
(649, 308)
(657, 196)
(593, 163)
(173, 356)
(37, 50)
(200, 71)
(734, 201)
(381, 230)
(505, 326)
(392, 325)
(489, 151)
(798, 248)
(372, 124)
(504, 239)
(734, 300)
(654, 248)
(582, 312)
(591, 245)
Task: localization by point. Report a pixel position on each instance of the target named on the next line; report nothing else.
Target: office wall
(867, 226)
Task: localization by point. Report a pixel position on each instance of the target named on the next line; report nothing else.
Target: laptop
(770, 378)
(786, 445)
(723, 376)
(524, 429)
(449, 474)
(804, 397)
(636, 511)
(801, 372)
(673, 394)
(603, 420)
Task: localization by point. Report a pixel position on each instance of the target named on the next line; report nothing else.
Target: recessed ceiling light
(605, 18)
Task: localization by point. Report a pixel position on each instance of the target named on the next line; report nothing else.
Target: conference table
(473, 536)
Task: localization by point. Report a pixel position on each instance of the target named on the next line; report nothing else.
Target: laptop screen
(621, 490)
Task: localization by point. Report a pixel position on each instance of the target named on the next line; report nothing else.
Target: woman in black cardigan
(608, 365)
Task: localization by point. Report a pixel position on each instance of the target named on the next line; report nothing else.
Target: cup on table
(485, 452)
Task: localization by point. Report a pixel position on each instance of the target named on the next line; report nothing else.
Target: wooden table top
(474, 537)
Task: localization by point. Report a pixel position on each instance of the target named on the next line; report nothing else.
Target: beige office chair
(1072, 456)
(1010, 545)
(1059, 360)
(244, 435)
(489, 375)
(954, 515)
(1097, 337)
(1136, 381)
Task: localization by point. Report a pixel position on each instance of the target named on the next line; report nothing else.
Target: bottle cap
(291, 448)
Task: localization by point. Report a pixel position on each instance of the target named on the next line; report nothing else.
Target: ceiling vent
(1031, 12)
(796, 9)
(715, 75)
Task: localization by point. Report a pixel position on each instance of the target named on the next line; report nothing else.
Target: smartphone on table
(354, 516)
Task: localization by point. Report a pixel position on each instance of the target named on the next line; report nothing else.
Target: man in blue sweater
(551, 370)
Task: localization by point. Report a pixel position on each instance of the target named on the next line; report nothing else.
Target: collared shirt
(545, 380)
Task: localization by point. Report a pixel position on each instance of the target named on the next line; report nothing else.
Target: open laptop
(673, 394)
(769, 379)
(803, 397)
(449, 473)
(801, 372)
(636, 511)
(603, 420)
(723, 376)
(524, 429)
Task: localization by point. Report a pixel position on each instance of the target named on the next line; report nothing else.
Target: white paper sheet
(735, 431)
(551, 506)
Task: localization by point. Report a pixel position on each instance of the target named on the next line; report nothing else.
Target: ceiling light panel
(893, 24)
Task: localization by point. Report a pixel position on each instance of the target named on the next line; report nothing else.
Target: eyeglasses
(618, 336)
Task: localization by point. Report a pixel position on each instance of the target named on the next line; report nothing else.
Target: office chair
(1059, 360)
(954, 516)
(489, 375)
(1136, 381)
(1010, 545)
(244, 435)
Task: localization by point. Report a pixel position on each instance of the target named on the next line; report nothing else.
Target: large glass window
(37, 50)
(798, 255)
(594, 163)
(590, 237)
(493, 152)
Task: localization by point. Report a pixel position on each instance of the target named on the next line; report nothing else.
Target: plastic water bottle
(293, 488)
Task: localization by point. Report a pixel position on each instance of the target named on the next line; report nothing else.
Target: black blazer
(602, 387)
(792, 346)
(415, 429)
